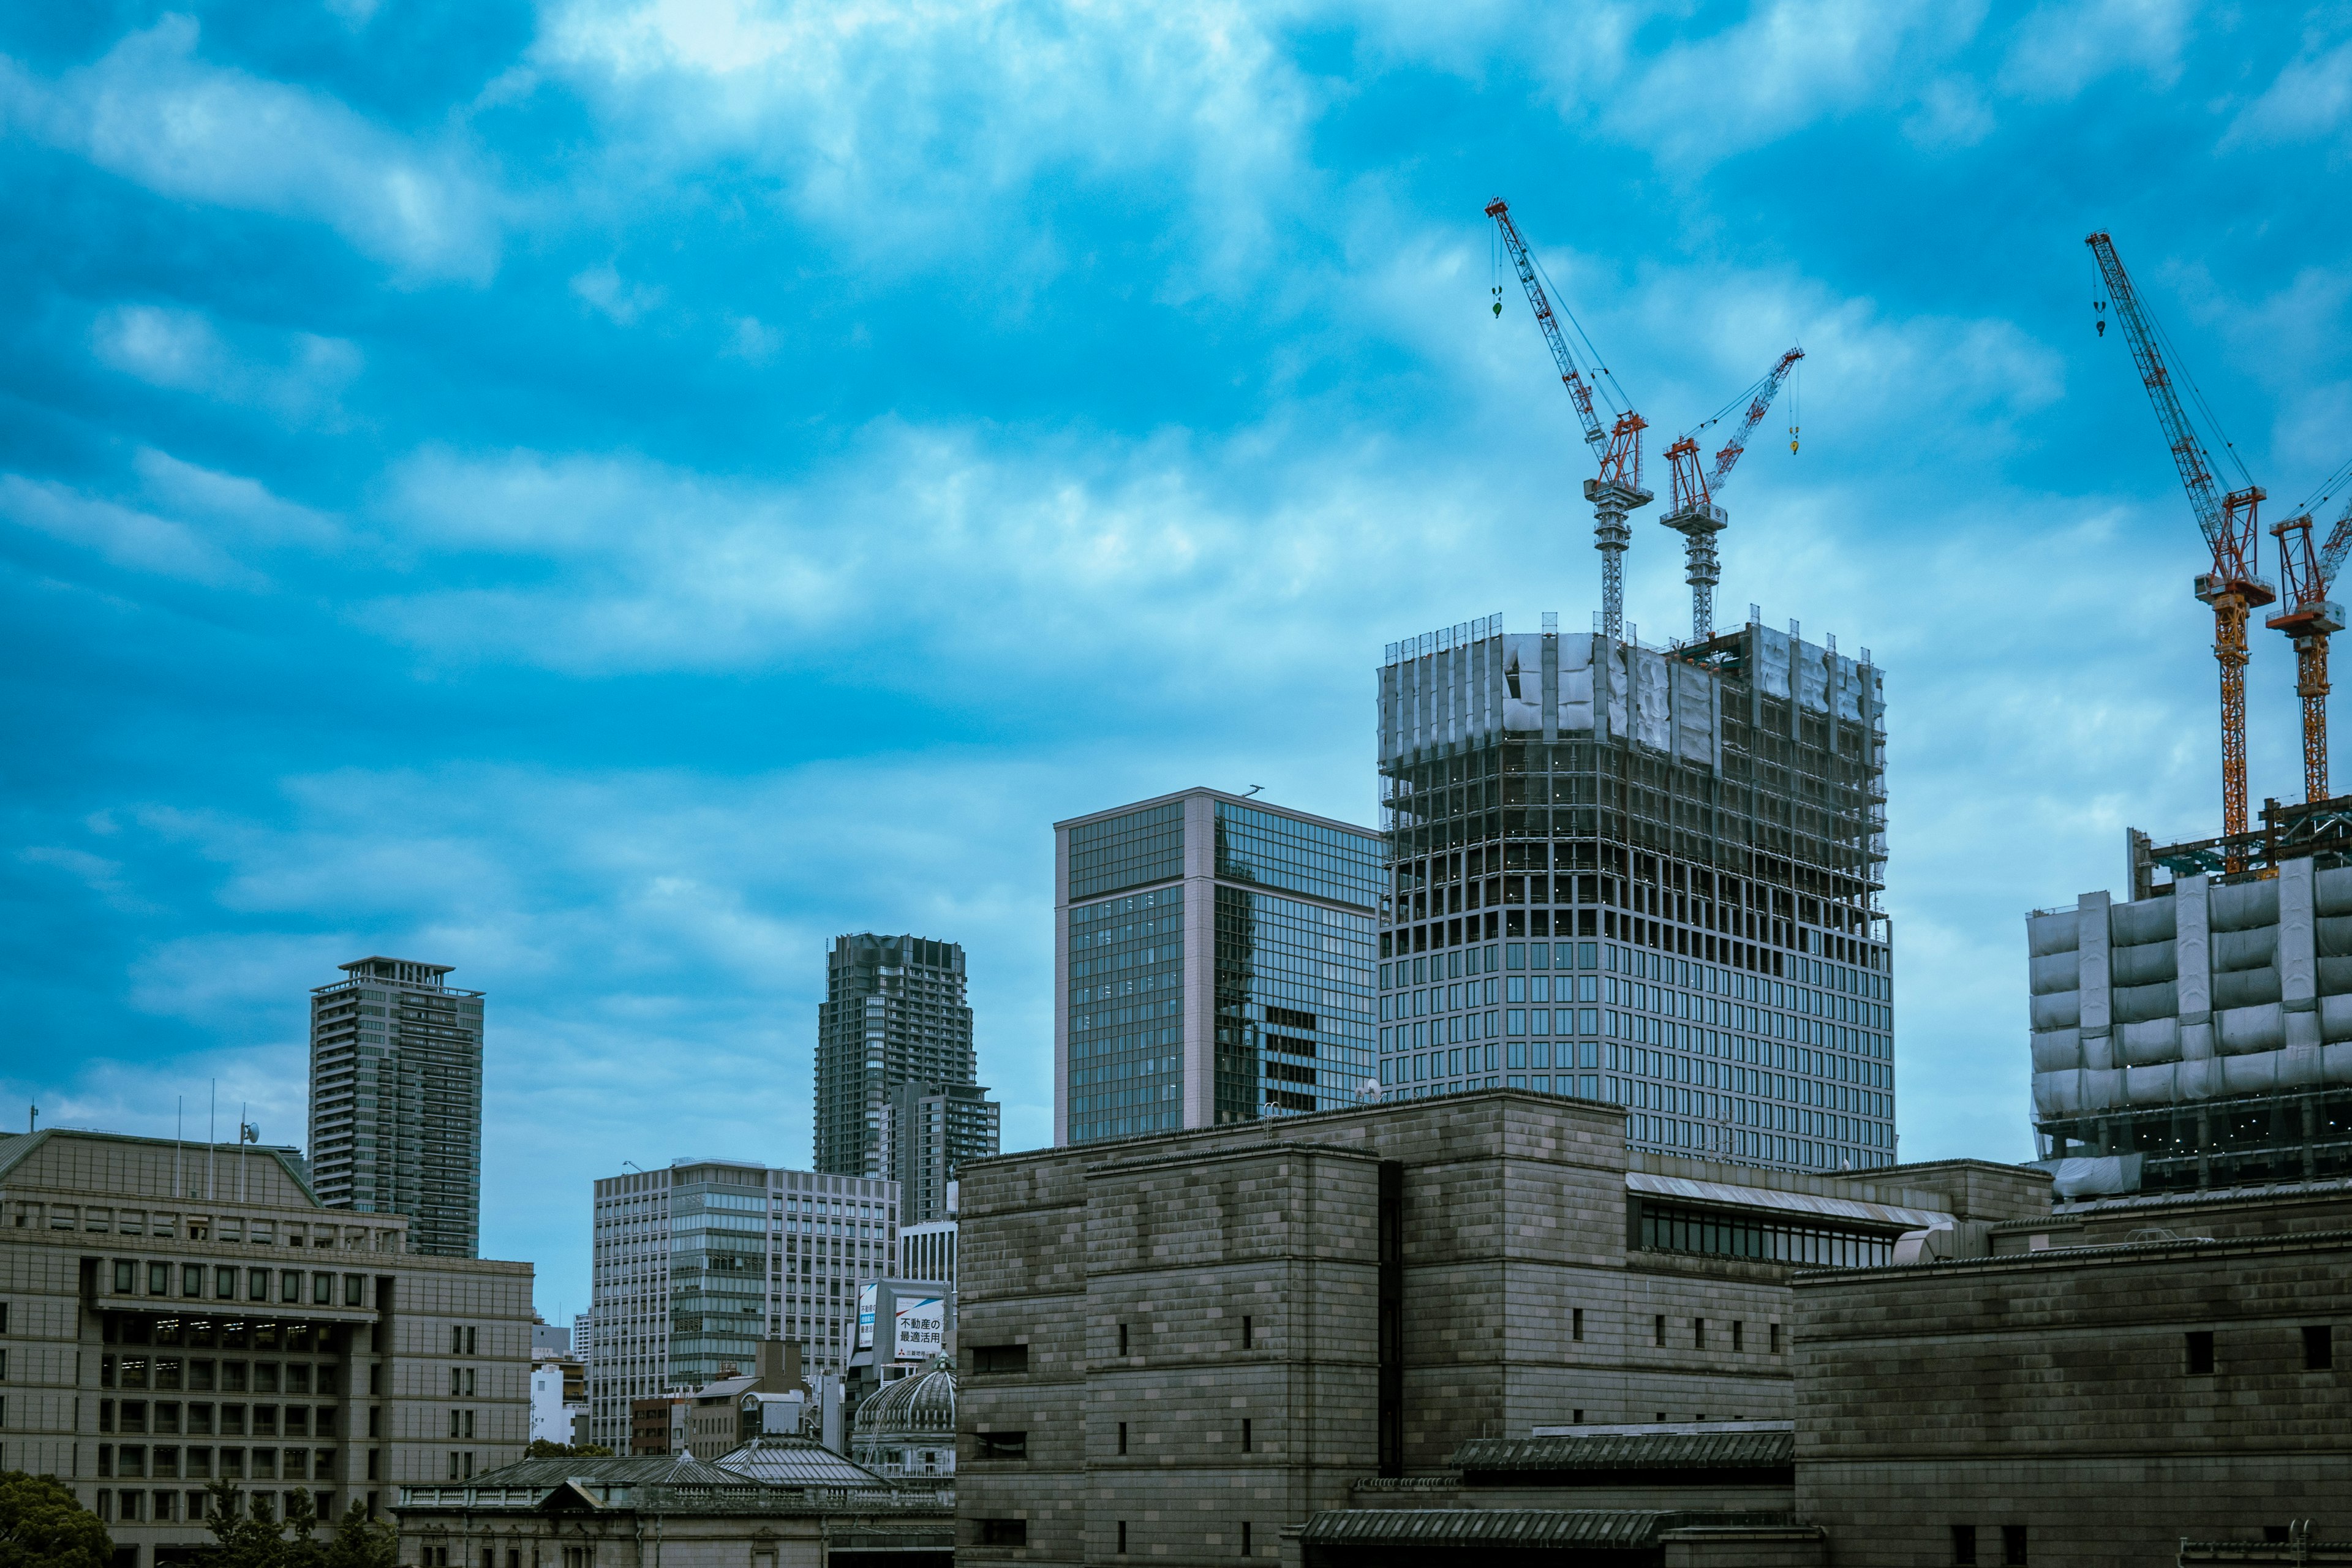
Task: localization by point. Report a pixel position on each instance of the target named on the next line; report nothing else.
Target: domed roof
(921, 1405)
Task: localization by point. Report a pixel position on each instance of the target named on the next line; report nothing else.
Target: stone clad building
(175, 1314)
(1178, 1347)
(2092, 1388)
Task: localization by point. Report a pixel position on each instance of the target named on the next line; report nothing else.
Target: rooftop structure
(1212, 965)
(396, 1099)
(1647, 875)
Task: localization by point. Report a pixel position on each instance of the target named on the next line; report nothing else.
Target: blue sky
(610, 495)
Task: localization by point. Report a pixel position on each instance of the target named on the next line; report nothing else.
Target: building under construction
(2201, 1034)
(1645, 875)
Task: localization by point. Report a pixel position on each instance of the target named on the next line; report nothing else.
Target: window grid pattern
(1126, 1015)
(1290, 976)
(1274, 851)
(1127, 850)
(1674, 1227)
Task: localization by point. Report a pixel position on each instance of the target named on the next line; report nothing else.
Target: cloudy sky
(608, 495)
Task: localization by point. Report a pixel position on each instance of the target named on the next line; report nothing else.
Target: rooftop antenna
(1251, 791)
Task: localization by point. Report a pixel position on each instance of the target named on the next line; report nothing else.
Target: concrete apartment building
(1178, 1347)
(695, 1264)
(1213, 964)
(1649, 875)
(894, 1013)
(396, 1100)
(928, 1130)
(175, 1314)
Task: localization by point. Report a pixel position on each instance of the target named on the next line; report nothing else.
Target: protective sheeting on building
(2217, 991)
(1474, 681)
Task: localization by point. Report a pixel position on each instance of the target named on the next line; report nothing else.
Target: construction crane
(2234, 586)
(2308, 616)
(1694, 515)
(1617, 490)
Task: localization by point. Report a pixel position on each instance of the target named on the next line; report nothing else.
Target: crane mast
(1617, 490)
(2233, 587)
(1694, 515)
(2309, 616)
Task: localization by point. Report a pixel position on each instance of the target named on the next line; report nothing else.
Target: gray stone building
(2095, 1387)
(396, 1100)
(175, 1314)
(1213, 964)
(894, 1013)
(1179, 1347)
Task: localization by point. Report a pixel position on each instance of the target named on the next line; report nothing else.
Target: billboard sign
(865, 1297)
(922, 1327)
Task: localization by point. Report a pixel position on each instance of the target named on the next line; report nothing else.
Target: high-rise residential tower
(1648, 876)
(695, 1264)
(893, 1012)
(1213, 964)
(396, 1100)
(928, 1130)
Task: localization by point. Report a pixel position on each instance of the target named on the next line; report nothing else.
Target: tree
(41, 1526)
(546, 1448)
(244, 1538)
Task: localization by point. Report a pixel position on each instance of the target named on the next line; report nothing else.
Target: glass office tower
(1213, 964)
(1648, 876)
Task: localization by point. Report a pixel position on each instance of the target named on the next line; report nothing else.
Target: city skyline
(711, 517)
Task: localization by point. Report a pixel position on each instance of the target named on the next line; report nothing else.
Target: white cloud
(2063, 47)
(181, 520)
(901, 125)
(296, 376)
(622, 302)
(154, 112)
(1790, 63)
(2309, 101)
(125, 535)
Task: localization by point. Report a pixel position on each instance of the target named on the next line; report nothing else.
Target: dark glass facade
(1129, 851)
(1697, 874)
(1126, 1043)
(1240, 986)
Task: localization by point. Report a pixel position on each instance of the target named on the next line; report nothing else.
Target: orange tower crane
(2234, 586)
(1694, 515)
(2307, 616)
(1618, 488)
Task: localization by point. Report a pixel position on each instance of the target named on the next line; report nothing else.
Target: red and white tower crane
(1617, 490)
(2307, 616)
(2234, 586)
(1694, 515)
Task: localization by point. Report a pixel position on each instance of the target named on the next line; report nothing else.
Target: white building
(551, 1413)
(695, 1264)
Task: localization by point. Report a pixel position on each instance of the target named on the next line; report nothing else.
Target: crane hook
(1497, 292)
(1792, 438)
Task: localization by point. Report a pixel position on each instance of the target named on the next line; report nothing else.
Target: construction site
(2198, 1031)
(1646, 875)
